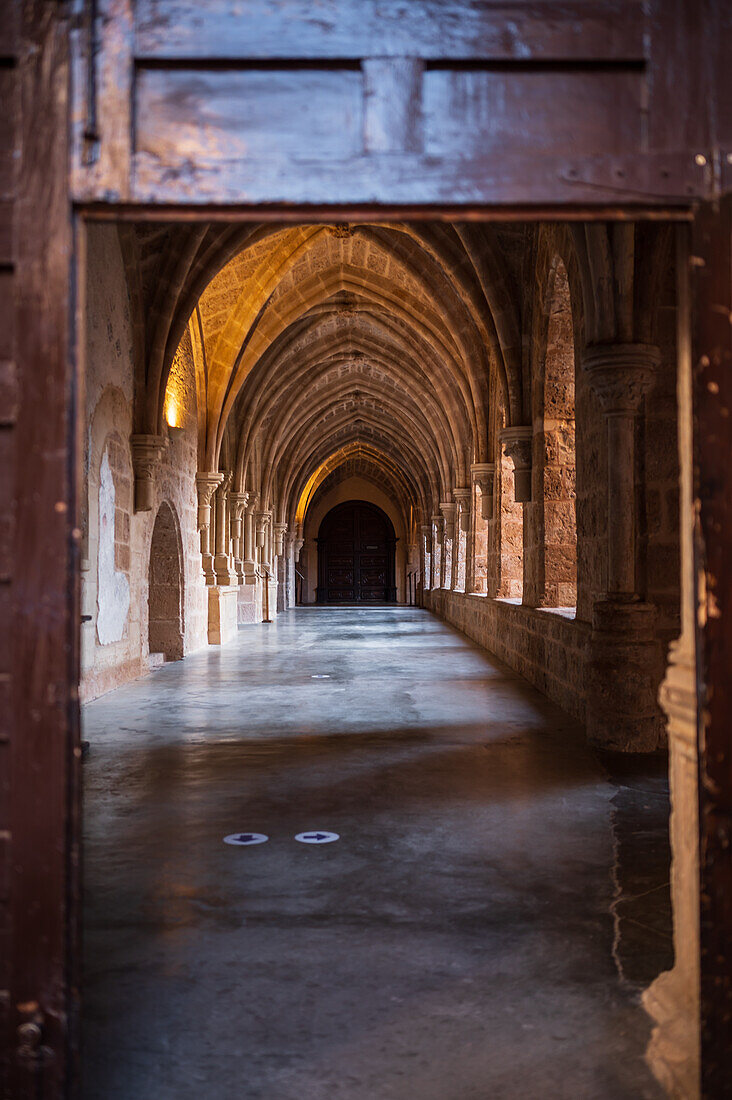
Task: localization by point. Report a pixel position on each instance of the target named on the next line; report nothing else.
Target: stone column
(206, 486)
(483, 474)
(426, 532)
(448, 541)
(673, 998)
(517, 445)
(238, 503)
(483, 478)
(280, 530)
(262, 523)
(436, 574)
(625, 656)
(249, 564)
(146, 451)
(298, 545)
(222, 564)
(462, 531)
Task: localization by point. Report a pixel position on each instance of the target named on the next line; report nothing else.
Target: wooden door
(367, 103)
(356, 547)
(39, 666)
(287, 109)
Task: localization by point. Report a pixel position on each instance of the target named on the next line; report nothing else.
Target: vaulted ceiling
(397, 348)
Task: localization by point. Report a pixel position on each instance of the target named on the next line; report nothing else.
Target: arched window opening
(165, 589)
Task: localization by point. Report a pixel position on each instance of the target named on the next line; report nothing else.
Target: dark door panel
(356, 546)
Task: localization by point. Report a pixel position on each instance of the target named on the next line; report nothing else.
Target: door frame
(40, 582)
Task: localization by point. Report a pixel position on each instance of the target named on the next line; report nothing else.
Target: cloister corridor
(465, 937)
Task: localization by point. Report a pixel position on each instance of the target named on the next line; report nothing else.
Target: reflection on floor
(455, 944)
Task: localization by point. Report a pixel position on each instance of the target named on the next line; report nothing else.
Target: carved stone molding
(517, 445)
(146, 452)
(463, 499)
(483, 474)
(206, 486)
(621, 374)
(238, 504)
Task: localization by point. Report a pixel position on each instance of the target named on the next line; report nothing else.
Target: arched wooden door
(356, 548)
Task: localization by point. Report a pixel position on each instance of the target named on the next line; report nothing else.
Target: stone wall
(116, 541)
(547, 649)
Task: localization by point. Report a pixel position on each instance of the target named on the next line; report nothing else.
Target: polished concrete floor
(457, 943)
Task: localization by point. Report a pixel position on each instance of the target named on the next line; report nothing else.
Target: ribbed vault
(316, 343)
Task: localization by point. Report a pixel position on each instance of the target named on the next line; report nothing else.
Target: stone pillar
(146, 451)
(436, 574)
(280, 530)
(238, 503)
(462, 531)
(249, 564)
(673, 998)
(483, 474)
(222, 564)
(426, 532)
(625, 655)
(448, 510)
(262, 523)
(206, 486)
(517, 445)
(483, 478)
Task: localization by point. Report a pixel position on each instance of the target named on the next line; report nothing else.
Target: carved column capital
(146, 451)
(483, 475)
(280, 532)
(262, 519)
(206, 486)
(426, 529)
(463, 499)
(238, 504)
(252, 502)
(448, 511)
(621, 374)
(517, 445)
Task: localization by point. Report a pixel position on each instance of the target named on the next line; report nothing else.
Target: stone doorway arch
(165, 586)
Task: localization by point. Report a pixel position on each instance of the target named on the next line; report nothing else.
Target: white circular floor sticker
(245, 838)
(317, 838)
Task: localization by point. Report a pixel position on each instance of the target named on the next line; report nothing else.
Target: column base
(221, 614)
(249, 602)
(673, 1052)
(224, 574)
(624, 672)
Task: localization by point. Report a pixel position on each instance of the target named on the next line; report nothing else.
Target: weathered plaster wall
(116, 541)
